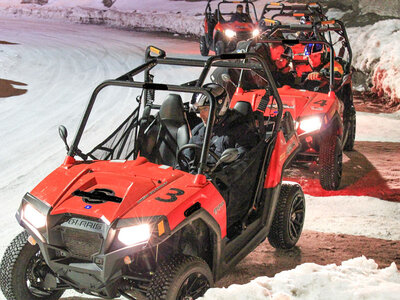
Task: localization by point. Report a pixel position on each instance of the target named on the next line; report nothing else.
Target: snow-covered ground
(61, 64)
(378, 127)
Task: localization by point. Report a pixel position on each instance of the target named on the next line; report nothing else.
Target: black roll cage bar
(126, 80)
(245, 2)
(309, 9)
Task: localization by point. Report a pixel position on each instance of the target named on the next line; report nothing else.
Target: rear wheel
(219, 48)
(204, 50)
(288, 221)
(181, 277)
(23, 271)
(330, 162)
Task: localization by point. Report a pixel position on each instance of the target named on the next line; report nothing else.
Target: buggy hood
(130, 189)
(302, 103)
(238, 26)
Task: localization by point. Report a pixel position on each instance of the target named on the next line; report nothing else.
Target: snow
(378, 127)
(353, 215)
(357, 278)
(61, 65)
(334, 13)
(374, 52)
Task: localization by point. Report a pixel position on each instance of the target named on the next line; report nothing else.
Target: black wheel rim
(194, 286)
(34, 276)
(296, 217)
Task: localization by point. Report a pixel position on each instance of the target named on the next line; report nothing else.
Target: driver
(230, 129)
(321, 78)
(239, 16)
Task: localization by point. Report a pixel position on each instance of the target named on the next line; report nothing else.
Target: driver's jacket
(240, 17)
(232, 131)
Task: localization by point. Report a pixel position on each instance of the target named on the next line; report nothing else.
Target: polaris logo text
(84, 225)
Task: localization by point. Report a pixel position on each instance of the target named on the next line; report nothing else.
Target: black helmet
(219, 94)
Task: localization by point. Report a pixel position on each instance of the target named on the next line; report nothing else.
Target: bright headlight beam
(311, 124)
(256, 32)
(34, 217)
(134, 235)
(230, 33)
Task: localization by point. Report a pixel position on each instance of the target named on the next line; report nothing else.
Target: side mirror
(226, 78)
(228, 156)
(62, 131)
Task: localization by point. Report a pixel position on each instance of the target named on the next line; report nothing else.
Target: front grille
(243, 35)
(80, 243)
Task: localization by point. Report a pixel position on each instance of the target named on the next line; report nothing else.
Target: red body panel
(280, 154)
(138, 183)
(235, 26)
(301, 103)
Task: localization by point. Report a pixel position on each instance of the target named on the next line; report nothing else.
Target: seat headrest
(243, 107)
(172, 109)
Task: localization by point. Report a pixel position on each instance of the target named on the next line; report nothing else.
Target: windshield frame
(223, 60)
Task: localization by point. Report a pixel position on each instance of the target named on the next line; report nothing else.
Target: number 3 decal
(172, 196)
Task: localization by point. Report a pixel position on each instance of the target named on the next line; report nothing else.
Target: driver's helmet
(317, 55)
(220, 95)
(311, 48)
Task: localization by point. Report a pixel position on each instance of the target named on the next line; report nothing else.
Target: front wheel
(181, 277)
(330, 162)
(204, 50)
(219, 48)
(288, 221)
(23, 271)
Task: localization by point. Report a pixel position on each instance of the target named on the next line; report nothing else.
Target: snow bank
(151, 15)
(357, 278)
(375, 53)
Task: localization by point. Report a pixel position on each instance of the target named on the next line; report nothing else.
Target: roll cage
(247, 5)
(313, 9)
(154, 57)
(319, 29)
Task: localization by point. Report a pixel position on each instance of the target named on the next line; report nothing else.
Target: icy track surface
(62, 64)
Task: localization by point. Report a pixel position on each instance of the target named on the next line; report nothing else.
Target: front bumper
(231, 44)
(90, 262)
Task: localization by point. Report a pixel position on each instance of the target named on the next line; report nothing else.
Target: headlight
(134, 235)
(310, 124)
(256, 32)
(230, 33)
(34, 217)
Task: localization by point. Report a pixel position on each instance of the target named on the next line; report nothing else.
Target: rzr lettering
(172, 196)
(320, 102)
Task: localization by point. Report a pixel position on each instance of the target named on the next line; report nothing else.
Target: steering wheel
(184, 162)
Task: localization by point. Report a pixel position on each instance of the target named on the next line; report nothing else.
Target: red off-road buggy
(222, 32)
(323, 110)
(119, 219)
